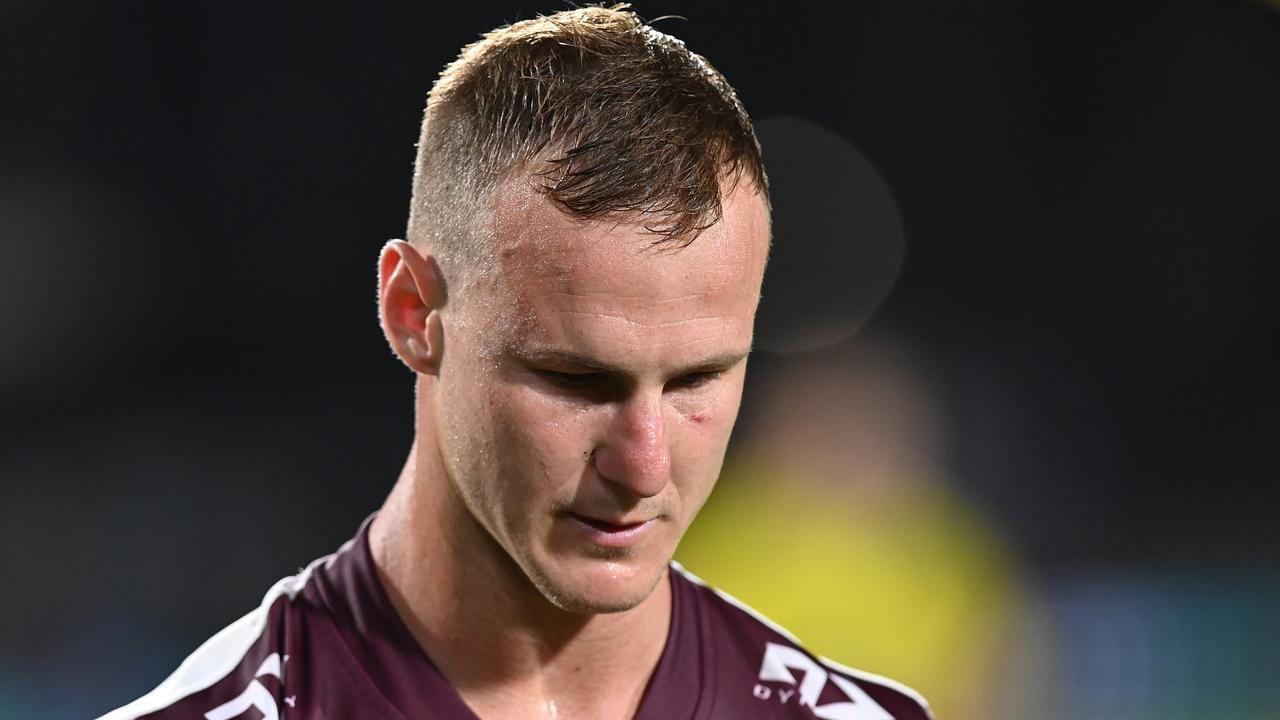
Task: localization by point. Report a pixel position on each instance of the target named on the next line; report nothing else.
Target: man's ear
(411, 293)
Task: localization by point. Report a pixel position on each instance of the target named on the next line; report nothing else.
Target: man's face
(588, 388)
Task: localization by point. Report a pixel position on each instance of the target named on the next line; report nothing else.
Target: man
(587, 238)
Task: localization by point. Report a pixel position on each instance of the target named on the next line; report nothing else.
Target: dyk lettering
(780, 664)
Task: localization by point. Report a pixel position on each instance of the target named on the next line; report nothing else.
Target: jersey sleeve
(763, 671)
(241, 667)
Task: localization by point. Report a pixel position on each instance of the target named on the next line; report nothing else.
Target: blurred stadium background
(1012, 428)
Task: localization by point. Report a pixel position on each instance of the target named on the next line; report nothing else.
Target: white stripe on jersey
(838, 667)
(219, 655)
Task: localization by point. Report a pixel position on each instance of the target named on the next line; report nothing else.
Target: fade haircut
(612, 119)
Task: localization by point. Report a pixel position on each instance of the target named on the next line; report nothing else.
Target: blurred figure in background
(858, 541)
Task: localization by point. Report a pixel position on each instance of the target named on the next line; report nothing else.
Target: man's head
(592, 208)
(612, 118)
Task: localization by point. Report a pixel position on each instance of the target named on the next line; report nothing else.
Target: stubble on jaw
(581, 605)
(531, 580)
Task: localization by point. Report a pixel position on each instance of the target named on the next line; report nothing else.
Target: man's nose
(634, 454)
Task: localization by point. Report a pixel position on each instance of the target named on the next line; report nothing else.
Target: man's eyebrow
(569, 358)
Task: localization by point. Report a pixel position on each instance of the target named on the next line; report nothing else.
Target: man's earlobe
(411, 294)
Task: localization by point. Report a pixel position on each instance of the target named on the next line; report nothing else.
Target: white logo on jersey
(255, 696)
(777, 666)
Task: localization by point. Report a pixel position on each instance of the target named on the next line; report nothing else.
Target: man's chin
(603, 587)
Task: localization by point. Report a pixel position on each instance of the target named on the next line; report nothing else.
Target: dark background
(196, 398)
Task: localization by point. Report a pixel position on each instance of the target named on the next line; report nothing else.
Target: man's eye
(570, 380)
(693, 380)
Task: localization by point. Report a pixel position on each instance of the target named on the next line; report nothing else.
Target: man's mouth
(614, 532)
(605, 525)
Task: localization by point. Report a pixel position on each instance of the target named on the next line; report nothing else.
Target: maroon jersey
(327, 643)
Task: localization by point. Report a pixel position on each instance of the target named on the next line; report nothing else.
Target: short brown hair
(624, 121)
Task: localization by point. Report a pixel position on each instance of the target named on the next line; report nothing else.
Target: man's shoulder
(324, 643)
(762, 670)
(240, 667)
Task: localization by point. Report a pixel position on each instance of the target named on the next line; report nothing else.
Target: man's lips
(606, 525)
(614, 532)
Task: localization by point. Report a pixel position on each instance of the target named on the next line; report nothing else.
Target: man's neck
(507, 650)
